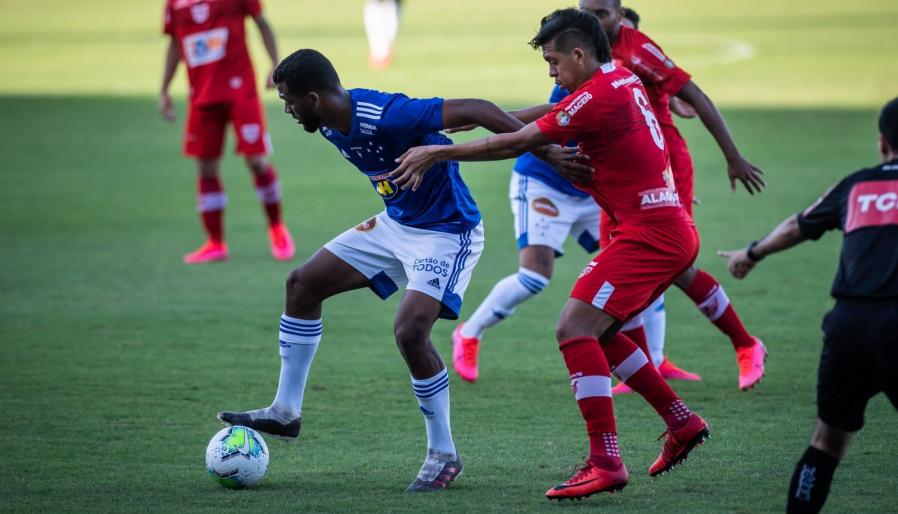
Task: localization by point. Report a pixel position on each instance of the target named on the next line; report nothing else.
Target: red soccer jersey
(660, 76)
(211, 36)
(610, 116)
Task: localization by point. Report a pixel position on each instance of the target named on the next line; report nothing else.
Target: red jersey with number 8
(211, 36)
(610, 116)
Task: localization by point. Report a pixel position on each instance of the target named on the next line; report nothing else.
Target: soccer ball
(237, 457)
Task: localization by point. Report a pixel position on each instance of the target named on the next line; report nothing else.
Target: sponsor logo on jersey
(199, 13)
(587, 270)
(667, 175)
(654, 50)
(545, 207)
(658, 197)
(366, 226)
(205, 47)
(430, 265)
(385, 188)
(577, 104)
(623, 82)
(250, 132)
(435, 282)
(563, 119)
(872, 204)
(367, 128)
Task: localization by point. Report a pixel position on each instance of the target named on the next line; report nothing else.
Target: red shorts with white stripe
(204, 134)
(639, 264)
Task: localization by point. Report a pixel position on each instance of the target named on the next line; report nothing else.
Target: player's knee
(207, 168)
(831, 440)
(411, 333)
(685, 280)
(301, 292)
(257, 164)
(566, 329)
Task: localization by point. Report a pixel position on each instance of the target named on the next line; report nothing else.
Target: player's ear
(579, 55)
(314, 99)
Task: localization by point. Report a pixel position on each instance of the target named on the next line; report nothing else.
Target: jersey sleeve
(824, 214)
(570, 119)
(168, 24)
(655, 65)
(252, 8)
(414, 116)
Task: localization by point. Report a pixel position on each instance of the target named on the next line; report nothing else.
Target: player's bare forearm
(784, 236)
(531, 114)
(172, 58)
(460, 112)
(738, 168)
(268, 38)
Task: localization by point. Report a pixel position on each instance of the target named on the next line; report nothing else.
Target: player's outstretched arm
(415, 162)
(172, 58)
(483, 113)
(738, 168)
(526, 115)
(271, 46)
(786, 235)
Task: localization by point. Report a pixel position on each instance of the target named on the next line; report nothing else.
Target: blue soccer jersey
(530, 165)
(384, 126)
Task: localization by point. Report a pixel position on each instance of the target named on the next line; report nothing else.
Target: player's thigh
(249, 127)
(579, 319)
(440, 264)
(368, 249)
(846, 378)
(537, 258)
(325, 275)
(205, 131)
(543, 215)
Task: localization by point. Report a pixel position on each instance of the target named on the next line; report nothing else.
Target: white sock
(507, 294)
(298, 342)
(655, 319)
(433, 399)
(381, 25)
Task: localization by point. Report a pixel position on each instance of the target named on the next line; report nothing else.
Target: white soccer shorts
(545, 216)
(393, 255)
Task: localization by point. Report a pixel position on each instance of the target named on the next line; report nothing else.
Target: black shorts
(859, 360)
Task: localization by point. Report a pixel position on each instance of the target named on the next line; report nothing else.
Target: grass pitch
(114, 357)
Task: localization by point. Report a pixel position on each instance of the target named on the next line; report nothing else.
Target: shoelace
(469, 352)
(583, 471)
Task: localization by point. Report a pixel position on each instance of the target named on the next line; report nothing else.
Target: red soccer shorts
(639, 264)
(205, 131)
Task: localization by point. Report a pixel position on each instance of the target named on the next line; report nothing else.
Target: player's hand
(413, 164)
(269, 84)
(747, 173)
(463, 128)
(682, 108)
(166, 107)
(739, 263)
(568, 162)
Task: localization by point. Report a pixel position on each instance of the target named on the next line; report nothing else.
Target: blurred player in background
(662, 78)
(860, 349)
(209, 37)
(609, 115)
(426, 241)
(381, 26)
(547, 209)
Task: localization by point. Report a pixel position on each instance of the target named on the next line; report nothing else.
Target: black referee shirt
(864, 206)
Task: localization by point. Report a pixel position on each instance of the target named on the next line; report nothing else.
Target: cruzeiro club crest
(240, 441)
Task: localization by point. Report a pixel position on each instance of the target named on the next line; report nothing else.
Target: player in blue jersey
(427, 240)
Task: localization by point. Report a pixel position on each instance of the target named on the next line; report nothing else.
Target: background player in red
(662, 78)
(654, 242)
(209, 36)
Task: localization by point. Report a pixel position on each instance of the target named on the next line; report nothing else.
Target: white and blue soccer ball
(237, 457)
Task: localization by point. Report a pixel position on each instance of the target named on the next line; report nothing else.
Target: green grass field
(114, 357)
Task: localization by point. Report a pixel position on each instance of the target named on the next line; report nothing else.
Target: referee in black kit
(860, 334)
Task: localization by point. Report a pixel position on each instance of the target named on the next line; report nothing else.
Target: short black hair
(888, 123)
(571, 28)
(306, 70)
(631, 15)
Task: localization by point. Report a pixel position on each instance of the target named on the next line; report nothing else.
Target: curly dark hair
(306, 70)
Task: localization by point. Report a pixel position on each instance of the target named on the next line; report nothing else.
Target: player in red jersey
(209, 36)
(654, 241)
(662, 79)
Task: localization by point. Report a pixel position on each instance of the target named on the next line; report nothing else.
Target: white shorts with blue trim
(393, 255)
(545, 216)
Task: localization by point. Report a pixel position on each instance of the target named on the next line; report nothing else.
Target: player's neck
(339, 115)
(589, 71)
(615, 33)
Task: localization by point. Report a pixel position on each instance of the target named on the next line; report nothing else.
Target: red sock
(634, 368)
(268, 189)
(211, 203)
(591, 382)
(709, 297)
(637, 335)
